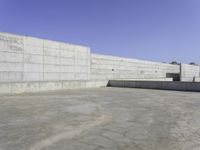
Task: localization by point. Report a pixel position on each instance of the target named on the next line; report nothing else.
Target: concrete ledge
(148, 79)
(163, 85)
(30, 87)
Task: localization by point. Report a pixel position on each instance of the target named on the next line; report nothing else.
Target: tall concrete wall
(25, 58)
(189, 72)
(33, 64)
(109, 67)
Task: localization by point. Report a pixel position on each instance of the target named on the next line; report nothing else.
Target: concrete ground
(101, 119)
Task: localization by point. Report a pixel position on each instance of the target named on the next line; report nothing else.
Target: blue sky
(160, 30)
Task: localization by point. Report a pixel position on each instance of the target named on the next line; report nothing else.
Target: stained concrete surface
(101, 119)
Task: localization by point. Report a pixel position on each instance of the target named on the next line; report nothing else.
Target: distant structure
(29, 64)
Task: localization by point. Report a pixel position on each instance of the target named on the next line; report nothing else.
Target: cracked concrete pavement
(101, 119)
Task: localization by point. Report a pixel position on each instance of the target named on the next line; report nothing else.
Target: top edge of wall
(29, 36)
(120, 57)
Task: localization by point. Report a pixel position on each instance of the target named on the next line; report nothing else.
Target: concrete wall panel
(11, 43)
(67, 54)
(67, 76)
(64, 69)
(30, 58)
(11, 76)
(52, 68)
(33, 50)
(11, 67)
(52, 52)
(189, 72)
(109, 67)
(11, 57)
(41, 59)
(51, 76)
(33, 67)
(67, 61)
(33, 76)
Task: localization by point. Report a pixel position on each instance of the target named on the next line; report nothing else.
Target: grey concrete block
(33, 50)
(67, 76)
(67, 53)
(11, 67)
(51, 76)
(67, 68)
(11, 76)
(11, 43)
(81, 76)
(11, 57)
(67, 61)
(52, 68)
(33, 76)
(30, 58)
(33, 67)
(51, 60)
(52, 52)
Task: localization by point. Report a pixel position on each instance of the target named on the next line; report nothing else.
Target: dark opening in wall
(175, 76)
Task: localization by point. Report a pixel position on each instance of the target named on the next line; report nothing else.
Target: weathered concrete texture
(189, 72)
(197, 79)
(162, 85)
(110, 67)
(25, 58)
(103, 118)
(39, 86)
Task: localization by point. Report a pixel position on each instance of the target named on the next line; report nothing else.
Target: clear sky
(160, 30)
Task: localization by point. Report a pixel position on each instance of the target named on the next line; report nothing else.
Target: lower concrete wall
(156, 79)
(179, 86)
(30, 87)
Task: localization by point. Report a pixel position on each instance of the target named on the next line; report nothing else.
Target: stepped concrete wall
(29, 64)
(110, 67)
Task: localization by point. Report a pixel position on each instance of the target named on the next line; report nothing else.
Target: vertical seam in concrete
(88, 65)
(23, 60)
(74, 61)
(43, 58)
(180, 66)
(59, 62)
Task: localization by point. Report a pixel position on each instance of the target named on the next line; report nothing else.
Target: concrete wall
(197, 79)
(110, 67)
(39, 86)
(189, 72)
(25, 58)
(30, 64)
(161, 85)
